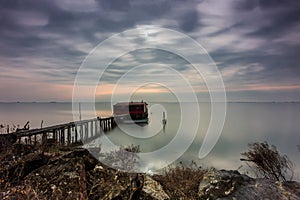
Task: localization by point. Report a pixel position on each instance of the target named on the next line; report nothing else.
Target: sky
(255, 45)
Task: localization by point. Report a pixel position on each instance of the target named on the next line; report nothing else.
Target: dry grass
(182, 182)
(268, 162)
(124, 159)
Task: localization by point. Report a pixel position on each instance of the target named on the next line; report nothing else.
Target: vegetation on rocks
(54, 172)
(180, 181)
(267, 162)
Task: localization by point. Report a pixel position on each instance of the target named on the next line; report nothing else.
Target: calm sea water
(276, 123)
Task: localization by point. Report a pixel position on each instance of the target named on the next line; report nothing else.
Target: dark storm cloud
(120, 5)
(189, 21)
(21, 34)
(280, 15)
(27, 26)
(273, 59)
(118, 14)
(280, 68)
(263, 4)
(280, 23)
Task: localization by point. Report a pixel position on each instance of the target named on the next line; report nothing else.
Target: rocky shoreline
(30, 172)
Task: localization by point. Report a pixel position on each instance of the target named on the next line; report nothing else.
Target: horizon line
(271, 101)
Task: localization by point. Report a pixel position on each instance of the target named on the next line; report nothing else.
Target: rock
(154, 189)
(7, 140)
(15, 171)
(62, 178)
(106, 183)
(89, 160)
(26, 172)
(216, 184)
(125, 186)
(233, 185)
(117, 192)
(135, 187)
(267, 189)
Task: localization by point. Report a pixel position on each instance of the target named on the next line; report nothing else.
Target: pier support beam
(62, 136)
(76, 133)
(69, 135)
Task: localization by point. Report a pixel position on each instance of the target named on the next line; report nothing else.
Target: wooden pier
(68, 133)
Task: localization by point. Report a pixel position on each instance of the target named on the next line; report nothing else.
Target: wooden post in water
(58, 135)
(112, 122)
(92, 128)
(81, 132)
(62, 136)
(105, 125)
(109, 124)
(100, 127)
(44, 137)
(76, 132)
(69, 135)
(54, 134)
(96, 127)
(86, 131)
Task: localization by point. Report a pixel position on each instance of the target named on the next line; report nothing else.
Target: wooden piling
(44, 137)
(76, 134)
(96, 127)
(86, 135)
(92, 129)
(81, 132)
(54, 134)
(62, 136)
(69, 135)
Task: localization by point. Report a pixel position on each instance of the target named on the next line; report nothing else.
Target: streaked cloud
(254, 43)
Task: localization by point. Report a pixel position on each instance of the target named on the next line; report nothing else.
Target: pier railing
(68, 133)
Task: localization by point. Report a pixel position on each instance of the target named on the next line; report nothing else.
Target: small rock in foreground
(228, 185)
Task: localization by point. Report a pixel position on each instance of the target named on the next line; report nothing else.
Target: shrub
(268, 162)
(182, 182)
(124, 159)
